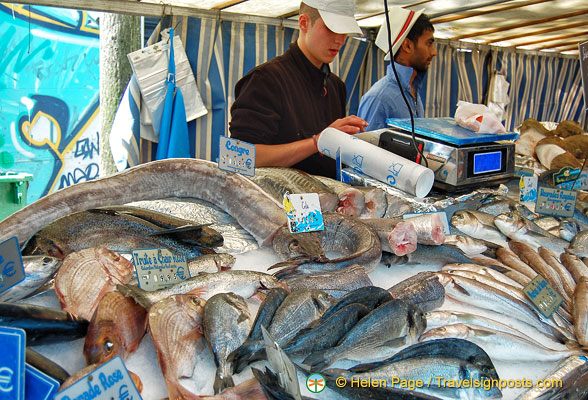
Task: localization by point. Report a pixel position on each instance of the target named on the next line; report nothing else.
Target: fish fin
(245, 354)
(222, 383)
(184, 228)
(318, 361)
(199, 291)
(461, 289)
(176, 391)
(136, 293)
(295, 261)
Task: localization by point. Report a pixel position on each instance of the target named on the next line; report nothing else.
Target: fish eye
(108, 346)
(46, 260)
(196, 300)
(294, 245)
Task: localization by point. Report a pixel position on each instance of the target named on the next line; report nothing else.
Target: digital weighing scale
(459, 157)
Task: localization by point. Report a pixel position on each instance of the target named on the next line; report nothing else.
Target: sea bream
(478, 225)
(255, 210)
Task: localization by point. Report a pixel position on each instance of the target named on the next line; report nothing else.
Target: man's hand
(351, 124)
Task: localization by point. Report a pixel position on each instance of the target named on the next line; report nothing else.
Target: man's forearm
(284, 155)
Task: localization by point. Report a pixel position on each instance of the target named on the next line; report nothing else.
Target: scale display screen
(487, 162)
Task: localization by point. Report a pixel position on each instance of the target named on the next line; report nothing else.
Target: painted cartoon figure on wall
(49, 125)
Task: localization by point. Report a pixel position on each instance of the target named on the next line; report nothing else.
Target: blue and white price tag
(12, 363)
(39, 386)
(159, 268)
(11, 269)
(109, 381)
(543, 296)
(528, 188)
(236, 156)
(303, 212)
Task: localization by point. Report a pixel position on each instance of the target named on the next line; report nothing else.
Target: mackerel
(251, 206)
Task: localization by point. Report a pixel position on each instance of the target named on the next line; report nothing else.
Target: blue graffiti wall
(49, 96)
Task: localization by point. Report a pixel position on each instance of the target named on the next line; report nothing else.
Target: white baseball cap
(401, 22)
(338, 15)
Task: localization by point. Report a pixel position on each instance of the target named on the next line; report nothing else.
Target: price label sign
(109, 381)
(528, 188)
(236, 156)
(159, 268)
(11, 269)
(553, 201)
(303, 212)
(543, 296)
(12, 363)
(39, 386)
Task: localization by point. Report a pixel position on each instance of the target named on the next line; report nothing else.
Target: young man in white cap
(413, 49)
(282, 105)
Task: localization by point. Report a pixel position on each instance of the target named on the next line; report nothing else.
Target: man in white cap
(282, 105)
(413, 49)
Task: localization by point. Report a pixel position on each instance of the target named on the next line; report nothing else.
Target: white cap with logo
(401, 22)
(338, 15)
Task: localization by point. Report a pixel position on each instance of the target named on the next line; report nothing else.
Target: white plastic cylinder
(376, 162)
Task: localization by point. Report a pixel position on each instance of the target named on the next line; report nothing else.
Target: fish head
(293, 245)
(103, 342)
(194, 305)
(322, 300)
(465, 221)
(39, 244)
(509, 223)
(417, 323)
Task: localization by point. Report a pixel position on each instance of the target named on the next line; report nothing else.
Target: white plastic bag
(477, 118)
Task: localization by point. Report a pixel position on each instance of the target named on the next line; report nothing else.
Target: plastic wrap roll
(376, 162)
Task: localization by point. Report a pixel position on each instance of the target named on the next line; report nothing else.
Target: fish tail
(136, 293)
(221, 382)
(318, 361)
(176, 391)
(244, 355)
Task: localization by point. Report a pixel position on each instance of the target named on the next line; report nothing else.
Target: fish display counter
(438, 313)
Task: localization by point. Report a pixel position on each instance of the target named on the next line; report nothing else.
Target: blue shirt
(384, 99)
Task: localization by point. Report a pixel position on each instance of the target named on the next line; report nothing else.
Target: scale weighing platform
(460, 158)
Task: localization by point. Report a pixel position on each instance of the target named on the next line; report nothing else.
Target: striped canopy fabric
(544, 87)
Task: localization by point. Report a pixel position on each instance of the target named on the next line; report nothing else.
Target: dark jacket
(285, 100)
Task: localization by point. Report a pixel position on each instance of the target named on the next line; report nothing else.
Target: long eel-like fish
(251, 206)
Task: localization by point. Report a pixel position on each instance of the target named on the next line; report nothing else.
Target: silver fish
(211, 263)
(571, 382)
(503, 346)
(470, 246)
(478, 225)
(520, 229)
(250, 205)
(205, 285)
(226, 323)
(38, 270)
(484, 271)
(336, 283)
(579, 244)
(278, 181)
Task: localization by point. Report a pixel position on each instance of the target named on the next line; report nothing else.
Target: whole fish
(450, 348)
(38, 271)
(175, 324)
(241, 282)
(336, 283)
(485, 271)
(470, 246)
(431, 369)
(572, 373)
(576, 267)
(423, 289)
(396, 236)
(581, 311)
(522, 230)
(352, 241)
(250, 205)
(579, 244)
(297, 311)
(437, 319)
(85, 276)
(45, 365)
(226, 323)
(547, 222)
(43, 325)
(211, 263)
(201, 234)
(433, 257)
(565, 276)
(277, 181)
(393, 324)
(510, 259)
(116, 328)
(478, 225)
(503, 269)
(327, 333)
(503, 346)
(351, 200)
(369, 296)
(568, 229)
(102, 228)
(530, 257)
(236, 240)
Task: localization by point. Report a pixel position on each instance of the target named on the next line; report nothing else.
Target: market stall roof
(536, 25)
